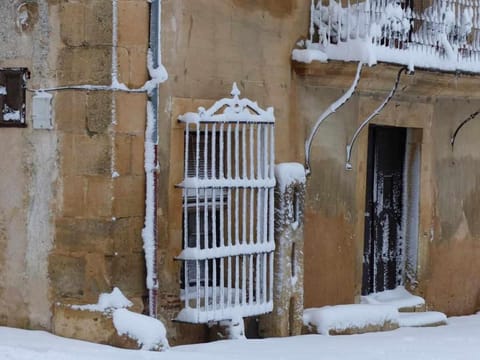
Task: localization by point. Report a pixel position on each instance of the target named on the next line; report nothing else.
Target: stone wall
(101, 202)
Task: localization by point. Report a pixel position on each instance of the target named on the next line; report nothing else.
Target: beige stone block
(73, 235)
(92, 155)
(98, 22)
(128, 273)
(99, 196)
(123, 65)
(138, 71)
(129, 196)
(131, 113)
(99, 112)
(74, 196)
(67, 155)
(127, 235)
(84, 65)
(70, 111)
(97, 277)
(72, 23)
(133, 23)
(138, 155)
(123, 154)
(67, 275)
(89, 326)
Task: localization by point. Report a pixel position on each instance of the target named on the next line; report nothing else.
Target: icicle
(237, 281)
(270, 299)
(185, 215)
(312, 29)
(257, 279)
(250, 278)
(229, 215)
(197, 218)
(244, 280)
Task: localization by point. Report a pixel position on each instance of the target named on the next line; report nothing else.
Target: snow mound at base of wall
(149, 332)
(355, 318)
(398, 297)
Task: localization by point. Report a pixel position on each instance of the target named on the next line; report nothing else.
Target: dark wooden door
(383, 215)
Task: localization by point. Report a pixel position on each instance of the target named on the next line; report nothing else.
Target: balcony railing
(441, 35)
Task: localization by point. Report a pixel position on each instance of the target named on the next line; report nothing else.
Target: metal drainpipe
(153, 97)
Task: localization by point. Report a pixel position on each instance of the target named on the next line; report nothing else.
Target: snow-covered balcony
(430, 34)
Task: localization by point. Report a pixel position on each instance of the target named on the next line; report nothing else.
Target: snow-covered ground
(460, 339)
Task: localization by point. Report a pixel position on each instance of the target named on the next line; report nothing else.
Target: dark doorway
(382, 265)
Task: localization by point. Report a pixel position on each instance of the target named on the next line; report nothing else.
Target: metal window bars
(228, 209)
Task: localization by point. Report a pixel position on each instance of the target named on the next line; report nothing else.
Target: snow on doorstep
(398, 297)
(149, 332)
(106, 302)
(342, 317)
(288, 173)
(421, 318)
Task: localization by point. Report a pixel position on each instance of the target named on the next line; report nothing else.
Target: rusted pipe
(462, 124)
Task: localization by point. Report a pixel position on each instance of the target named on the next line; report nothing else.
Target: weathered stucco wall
(28, 166)
(448, 237)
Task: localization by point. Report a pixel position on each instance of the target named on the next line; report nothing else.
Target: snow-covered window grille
(12, 97)
(228, 211)
(434, 34)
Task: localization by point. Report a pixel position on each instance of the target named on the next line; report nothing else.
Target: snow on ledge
(398, 297)
(309, 55)
(342, 317)
(289, 173)
(106, 302)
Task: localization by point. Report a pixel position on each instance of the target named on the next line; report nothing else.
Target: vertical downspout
(153, 97)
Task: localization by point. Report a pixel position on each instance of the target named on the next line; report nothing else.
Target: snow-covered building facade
(115, 176)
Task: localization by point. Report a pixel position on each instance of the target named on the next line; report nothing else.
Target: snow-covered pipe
(330, 110)
(149, 233)
(348, 165)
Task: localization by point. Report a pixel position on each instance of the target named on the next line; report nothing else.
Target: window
(201, 219)
(227, 187)
(12, 97)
